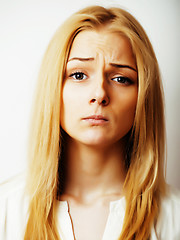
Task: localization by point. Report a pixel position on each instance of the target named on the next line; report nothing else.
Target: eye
(121, 79)
(78, 76)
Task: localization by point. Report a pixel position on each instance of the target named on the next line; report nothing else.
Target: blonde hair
(144, 184)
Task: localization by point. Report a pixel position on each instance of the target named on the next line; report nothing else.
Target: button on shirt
(14, 207)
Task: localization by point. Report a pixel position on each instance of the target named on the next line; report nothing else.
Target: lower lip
(96, 122)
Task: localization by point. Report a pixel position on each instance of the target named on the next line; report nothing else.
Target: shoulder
(169, 217)
(14, 207)
(170, 204)
(12, 193)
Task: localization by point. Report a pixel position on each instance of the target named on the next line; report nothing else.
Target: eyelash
(118, 79)
(123, 80)
(74, 75)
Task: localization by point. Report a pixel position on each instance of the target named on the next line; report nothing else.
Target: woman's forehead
(113, 47)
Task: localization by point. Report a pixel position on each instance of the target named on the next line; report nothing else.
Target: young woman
(97, 139)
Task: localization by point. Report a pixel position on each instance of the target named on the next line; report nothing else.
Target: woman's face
(100, 88)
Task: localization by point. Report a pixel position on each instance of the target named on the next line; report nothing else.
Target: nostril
(103, 101)
(93, 100)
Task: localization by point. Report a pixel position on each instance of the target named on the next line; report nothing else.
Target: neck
(93, 172)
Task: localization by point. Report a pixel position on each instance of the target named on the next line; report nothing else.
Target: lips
(96, 119)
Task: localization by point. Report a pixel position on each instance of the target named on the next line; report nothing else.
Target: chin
(98, 140)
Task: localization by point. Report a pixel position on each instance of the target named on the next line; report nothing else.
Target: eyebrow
(123, 66)
(116, 65)
(80, 59)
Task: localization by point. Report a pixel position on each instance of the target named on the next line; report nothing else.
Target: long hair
(144, 183)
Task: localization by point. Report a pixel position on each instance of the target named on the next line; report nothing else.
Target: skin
(99, 99)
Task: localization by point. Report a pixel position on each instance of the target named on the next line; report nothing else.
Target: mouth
(95, 120)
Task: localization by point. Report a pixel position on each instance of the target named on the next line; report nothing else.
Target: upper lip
(96, 117)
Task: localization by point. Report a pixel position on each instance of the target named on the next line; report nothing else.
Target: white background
(26, 26)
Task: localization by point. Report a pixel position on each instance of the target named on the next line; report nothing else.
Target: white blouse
(14, 208)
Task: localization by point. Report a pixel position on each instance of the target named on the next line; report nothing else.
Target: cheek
(72, 104)
(131, 105)
(66, 106)
(127, 108)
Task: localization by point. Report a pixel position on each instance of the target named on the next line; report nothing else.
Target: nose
(100, 95)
